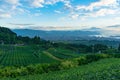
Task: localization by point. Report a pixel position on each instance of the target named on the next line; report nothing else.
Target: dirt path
(50, 55)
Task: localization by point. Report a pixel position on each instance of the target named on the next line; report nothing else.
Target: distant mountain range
(57, 34)
(91, 34)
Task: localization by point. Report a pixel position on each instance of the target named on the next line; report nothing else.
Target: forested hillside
(7, 36)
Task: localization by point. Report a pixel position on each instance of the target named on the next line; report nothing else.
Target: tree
(100, 47)
(36, 40)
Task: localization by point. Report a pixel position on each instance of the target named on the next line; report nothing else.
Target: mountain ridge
(55, 34)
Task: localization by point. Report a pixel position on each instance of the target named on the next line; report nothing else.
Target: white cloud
(14, 2)
(5, 15)
(99, 8)
(51, 2)
(42, 3)
(74, 16)
(67, 4)
(38, 3)
(59, 12)
(102, 12)
(37, 14)
(11, 8)
(99, 4)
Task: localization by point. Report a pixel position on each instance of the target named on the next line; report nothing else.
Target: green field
(22, 55)
(105, 69)
(63, 53)
(87, 67)
(25, 55)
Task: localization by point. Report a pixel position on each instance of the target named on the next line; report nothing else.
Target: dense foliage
(45, 68)
(7, 36)
(101, 70)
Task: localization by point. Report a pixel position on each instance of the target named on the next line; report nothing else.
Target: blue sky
(60, 14)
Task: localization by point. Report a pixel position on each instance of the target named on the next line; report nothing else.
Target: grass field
(105, 69)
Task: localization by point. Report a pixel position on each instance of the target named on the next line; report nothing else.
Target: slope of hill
(11, 55)
(6, 35)
(22, 56)
(101, 70)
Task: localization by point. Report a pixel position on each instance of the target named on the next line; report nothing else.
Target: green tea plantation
(105, 69)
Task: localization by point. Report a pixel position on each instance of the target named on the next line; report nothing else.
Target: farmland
(11, 55)
(106, 69)
(21, 56)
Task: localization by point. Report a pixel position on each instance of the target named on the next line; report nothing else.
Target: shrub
(39, 69)
(23, 71)
(80, 60)
(53, 67)
(104, 55)
(67, 64)
(92, 57)
(116, 55)
(31, 69)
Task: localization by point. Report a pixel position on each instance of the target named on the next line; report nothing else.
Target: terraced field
(22, 55)
(11, 55)
(63, 53)
(106, 69)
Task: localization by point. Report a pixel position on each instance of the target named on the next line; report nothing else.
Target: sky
(61, 14)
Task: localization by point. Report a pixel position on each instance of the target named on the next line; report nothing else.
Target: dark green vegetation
(7, 36)
(106, 69)
(46, 60)
(45, 68)
(22, 55)
(14, 55)
(113, 43)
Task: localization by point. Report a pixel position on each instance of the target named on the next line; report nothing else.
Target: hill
(101, 70)
(11, 55)
(7, 36)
